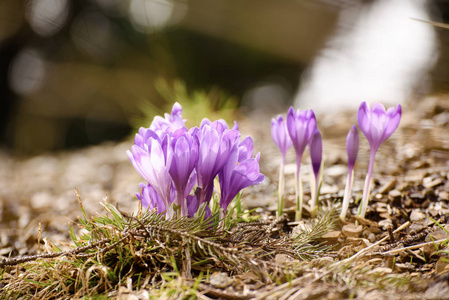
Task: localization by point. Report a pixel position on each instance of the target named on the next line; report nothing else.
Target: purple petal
(363, 118)
(316, 151)
(352, 146)
(394, 116)
(377, 124)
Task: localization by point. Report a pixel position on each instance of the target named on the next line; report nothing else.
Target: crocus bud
(352, 146)
(280, 135)
(316, 152)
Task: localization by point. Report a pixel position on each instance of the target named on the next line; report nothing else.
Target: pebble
(417, 215)
(372, 237)
(388, 186)
(220, 280)
(417, 196)
(352, 230)
(443, 196)
(332, 235)
(433, 183)
(385, 224)
(437, 291)
(395, 197)
(437, 235)
(442, 265)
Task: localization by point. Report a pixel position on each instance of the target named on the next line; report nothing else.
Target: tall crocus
(316, 155)
(185, 157)
(377, 125)
(283, 141)
(300, 126)
(352, 149)
(239, 172)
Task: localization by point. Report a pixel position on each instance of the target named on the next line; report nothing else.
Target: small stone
(281, 259)
(417, 196)
(385, 224)
(332, 235)
(395, 197)
(437, 235)
(442, 265)
(429, 250)
(417, 215)
(352, 230)
(443, 196)
(433, 183)
(220, 280)
(416, 227)
(402, 267)
(388, 186)
(364, 221)
(408, 203)
(437, 291)
(385, 215)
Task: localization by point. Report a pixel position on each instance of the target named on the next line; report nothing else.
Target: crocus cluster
(377, 124)
(180, 165)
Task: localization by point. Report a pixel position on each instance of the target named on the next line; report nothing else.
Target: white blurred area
(47, 17)
(150, 15)
(27, 73)
(380, 52)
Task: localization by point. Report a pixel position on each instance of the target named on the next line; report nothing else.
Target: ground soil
(411, 184)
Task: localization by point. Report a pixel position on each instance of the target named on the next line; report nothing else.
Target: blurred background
(80, 72)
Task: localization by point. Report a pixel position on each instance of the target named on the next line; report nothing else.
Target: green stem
(280, 210)
(298, 189)
(367, 187)
(347, 196)
(314, 194)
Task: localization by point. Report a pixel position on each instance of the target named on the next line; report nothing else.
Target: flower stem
(314, 194)
(280, 210)
(298, 189)
(367, 187)
(182, 202)
(347, 196)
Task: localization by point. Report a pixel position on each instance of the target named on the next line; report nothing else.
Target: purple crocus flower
(216, 123)
(239, 172)
(150, 199)
(280, 135)
(152, 162)
(216, 143)
(352, 149)
(170, 123)
(194, 206)
(282, 140)
(316, 154)
(377, 124)
(185, 157)
(300, 126)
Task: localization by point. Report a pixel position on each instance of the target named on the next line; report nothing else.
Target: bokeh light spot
(47, 17)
